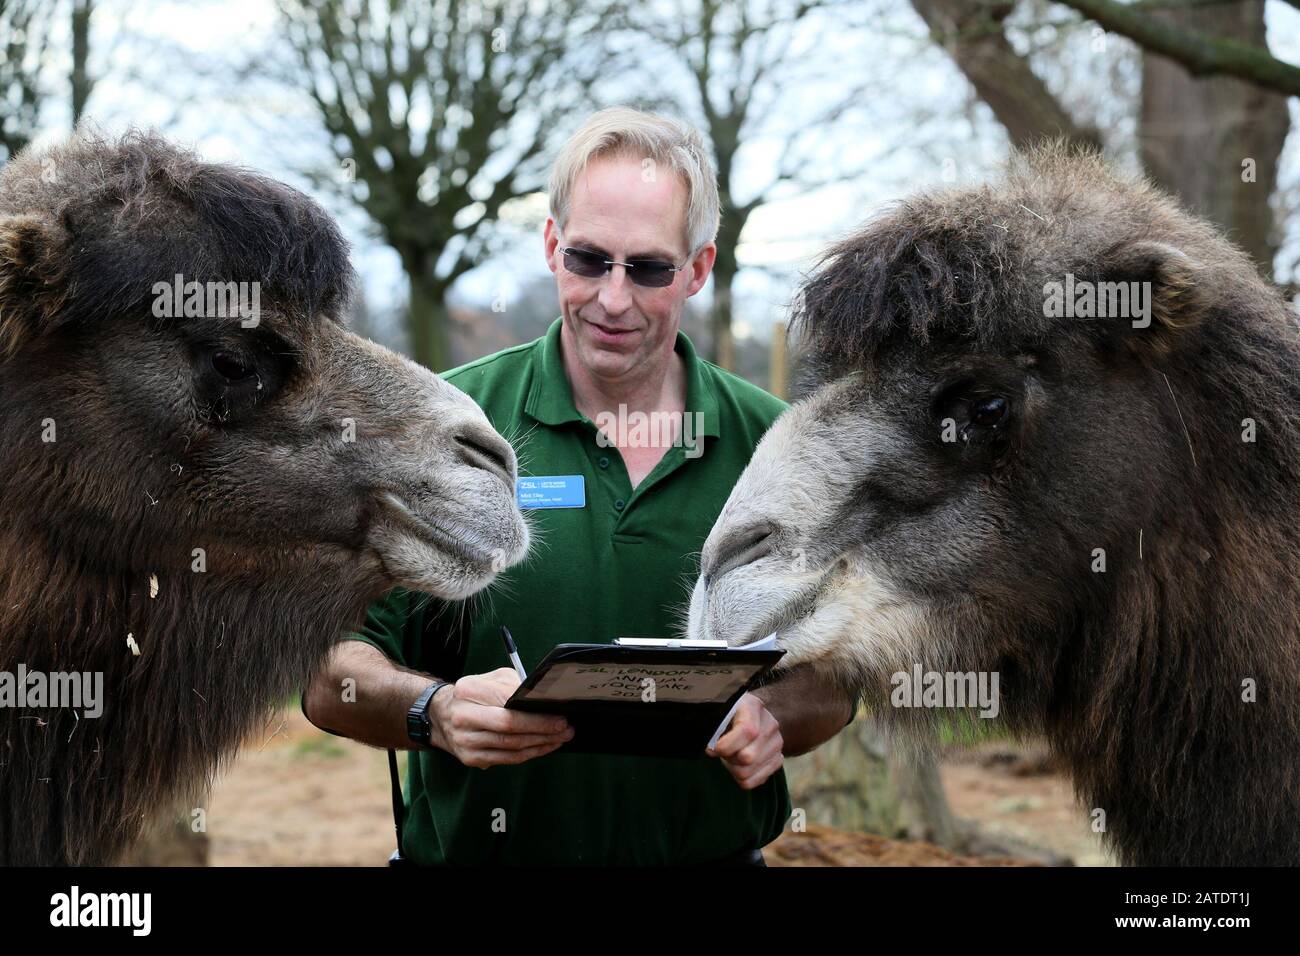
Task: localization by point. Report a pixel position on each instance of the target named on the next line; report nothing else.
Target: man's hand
(751, 749)
(470, 722)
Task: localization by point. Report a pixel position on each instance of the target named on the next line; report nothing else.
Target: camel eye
(233, 380)
(232, 367)
(988, 412)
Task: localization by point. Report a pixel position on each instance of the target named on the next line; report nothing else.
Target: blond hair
(623, 131)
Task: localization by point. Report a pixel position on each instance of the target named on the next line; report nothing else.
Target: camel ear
(33, 277)
(1166, 293)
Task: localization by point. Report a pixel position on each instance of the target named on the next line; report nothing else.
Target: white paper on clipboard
(762, 644)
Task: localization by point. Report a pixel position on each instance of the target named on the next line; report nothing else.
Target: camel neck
(187, 662)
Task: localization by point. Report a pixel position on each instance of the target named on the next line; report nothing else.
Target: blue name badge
(551, 491)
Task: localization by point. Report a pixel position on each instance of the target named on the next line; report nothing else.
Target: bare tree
(82, 82)
(1215, 140)
(24, 36)
(1234, 128)
(26, 27)
(742, 59)
(1180, 31)
(439, 112)
(971, 31)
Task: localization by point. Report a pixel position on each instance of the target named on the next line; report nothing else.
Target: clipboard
(639, 701)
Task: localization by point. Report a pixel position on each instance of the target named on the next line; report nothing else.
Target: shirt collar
(550, 396)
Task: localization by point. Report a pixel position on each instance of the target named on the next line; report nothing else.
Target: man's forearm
(373, 708)
(810, 708)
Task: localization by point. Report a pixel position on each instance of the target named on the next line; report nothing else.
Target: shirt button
(603, 462)
(618, 505)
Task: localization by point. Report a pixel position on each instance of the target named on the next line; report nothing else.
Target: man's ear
(1166, 298)
(550, 240)
(701, 264)
(33, 277)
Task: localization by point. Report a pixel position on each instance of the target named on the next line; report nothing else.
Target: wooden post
(779, 370)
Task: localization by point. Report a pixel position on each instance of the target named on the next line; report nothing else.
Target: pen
(513, 653)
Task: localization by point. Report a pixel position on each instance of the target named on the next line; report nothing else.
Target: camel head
(181, 392)
(984, 467)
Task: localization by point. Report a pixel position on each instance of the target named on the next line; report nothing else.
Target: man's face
(611, 324)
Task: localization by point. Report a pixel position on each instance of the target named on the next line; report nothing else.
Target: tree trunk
(970, 31)
(724, 275)
(1195, 135)
(82, 83)
(923, 806)
(170, 840)
(426, 319)
(857, 781)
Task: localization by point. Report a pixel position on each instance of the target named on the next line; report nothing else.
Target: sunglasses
(651, 273)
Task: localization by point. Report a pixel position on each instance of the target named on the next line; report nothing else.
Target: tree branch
(971, 32)
(1199, 53)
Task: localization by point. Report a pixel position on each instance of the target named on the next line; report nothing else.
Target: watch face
(417, 718)
(417, 728)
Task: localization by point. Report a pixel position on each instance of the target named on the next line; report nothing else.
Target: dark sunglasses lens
(582, 263)
(648, 272)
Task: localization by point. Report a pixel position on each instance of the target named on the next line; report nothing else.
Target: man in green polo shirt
(630, 238)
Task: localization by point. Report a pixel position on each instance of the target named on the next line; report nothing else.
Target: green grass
(964, 728)
(322, 746)
(967, 731)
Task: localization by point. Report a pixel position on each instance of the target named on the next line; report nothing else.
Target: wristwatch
(418, 724)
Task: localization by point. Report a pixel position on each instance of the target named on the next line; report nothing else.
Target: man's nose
(616, 291)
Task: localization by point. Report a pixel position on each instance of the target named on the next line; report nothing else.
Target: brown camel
(198, 498)
(1053, 437)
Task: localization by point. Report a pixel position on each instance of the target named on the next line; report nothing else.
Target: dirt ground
(299, 796)
(1015, 792)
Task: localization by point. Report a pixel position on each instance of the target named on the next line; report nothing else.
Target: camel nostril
(487, 451)
(739, 548)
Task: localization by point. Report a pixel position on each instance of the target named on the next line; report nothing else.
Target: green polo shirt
(622, 566)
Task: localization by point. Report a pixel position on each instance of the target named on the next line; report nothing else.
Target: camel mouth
(845, 616)
(716, 610)
(798, 609)
(449, 538)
